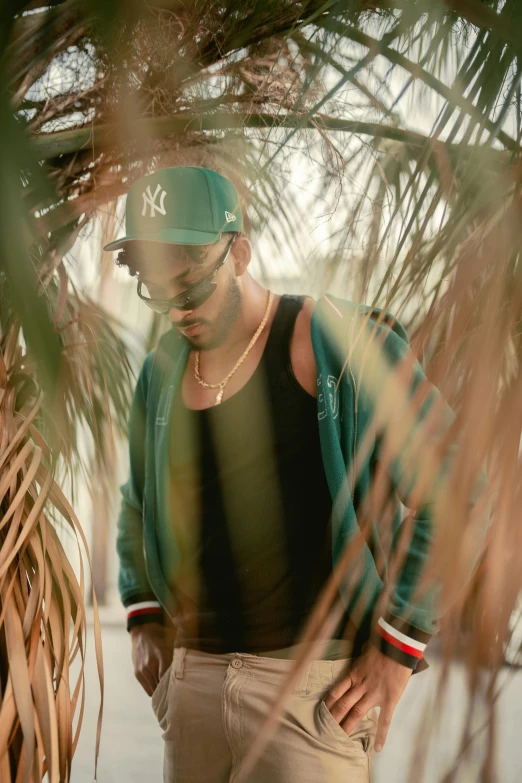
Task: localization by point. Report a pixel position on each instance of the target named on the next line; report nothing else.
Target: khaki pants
(211, 707)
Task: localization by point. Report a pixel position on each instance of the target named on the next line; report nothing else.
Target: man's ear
(241, 254)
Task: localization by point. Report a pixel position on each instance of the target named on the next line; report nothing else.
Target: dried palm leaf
(42, 616)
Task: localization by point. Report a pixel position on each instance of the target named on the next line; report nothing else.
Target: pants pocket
(361, 738)
(160, 698)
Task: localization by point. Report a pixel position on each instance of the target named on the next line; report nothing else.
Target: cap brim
(173, 236)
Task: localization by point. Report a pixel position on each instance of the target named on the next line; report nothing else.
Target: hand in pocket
(152, 652)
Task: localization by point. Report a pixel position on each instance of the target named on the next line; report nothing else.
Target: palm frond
(422, 220)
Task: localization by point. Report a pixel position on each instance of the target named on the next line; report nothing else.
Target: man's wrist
(149, 627)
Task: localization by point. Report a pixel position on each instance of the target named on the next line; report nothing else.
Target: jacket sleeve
(415, 441)
(136, 594)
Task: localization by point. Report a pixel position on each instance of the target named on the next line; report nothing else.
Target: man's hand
(373, 680)
(152, 652)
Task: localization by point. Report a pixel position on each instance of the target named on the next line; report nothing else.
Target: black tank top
(250, 508)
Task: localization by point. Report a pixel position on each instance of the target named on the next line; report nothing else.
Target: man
(241, 499)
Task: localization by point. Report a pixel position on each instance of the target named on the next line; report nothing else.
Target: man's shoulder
(304, 317)
(333, 314)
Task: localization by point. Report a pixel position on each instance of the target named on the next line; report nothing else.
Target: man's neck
(254, 302)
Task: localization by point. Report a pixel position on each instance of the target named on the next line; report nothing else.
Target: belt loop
(179, 662)
(305, 679)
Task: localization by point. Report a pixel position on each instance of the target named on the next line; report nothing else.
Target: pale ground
(131, 746)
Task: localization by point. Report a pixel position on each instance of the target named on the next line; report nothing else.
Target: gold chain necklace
(221, 385)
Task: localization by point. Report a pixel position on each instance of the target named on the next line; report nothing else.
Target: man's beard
(223, 324)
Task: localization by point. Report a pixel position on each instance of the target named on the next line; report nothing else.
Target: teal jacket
(356, 401)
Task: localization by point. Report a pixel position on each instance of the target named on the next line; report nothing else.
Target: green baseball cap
(184, 205)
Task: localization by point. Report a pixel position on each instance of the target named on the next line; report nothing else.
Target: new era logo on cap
(229, 216)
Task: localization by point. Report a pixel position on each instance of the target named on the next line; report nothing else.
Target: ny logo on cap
(229, 216)
(150, 200)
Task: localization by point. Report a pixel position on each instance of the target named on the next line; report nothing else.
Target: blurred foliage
(95, 93)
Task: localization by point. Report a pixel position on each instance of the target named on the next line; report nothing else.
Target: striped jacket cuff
(142, 609)
(399, 640)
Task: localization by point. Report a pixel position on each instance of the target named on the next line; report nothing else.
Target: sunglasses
(193, 297)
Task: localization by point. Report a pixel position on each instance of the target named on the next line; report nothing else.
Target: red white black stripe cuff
(142, 607)
(141, 612)
(400, 641)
